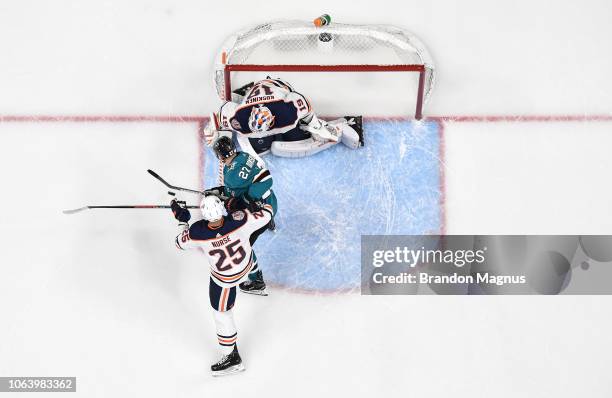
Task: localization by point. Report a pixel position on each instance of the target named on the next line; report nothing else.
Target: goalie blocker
(270, 116)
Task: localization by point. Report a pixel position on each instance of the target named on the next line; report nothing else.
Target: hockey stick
(167, 184)
(205, 193)
(80, 209)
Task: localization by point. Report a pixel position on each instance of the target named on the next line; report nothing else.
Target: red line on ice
(201, 120)
(521, 118)
(101, 118)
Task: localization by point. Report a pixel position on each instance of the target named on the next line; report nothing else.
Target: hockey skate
(229, 364)
(356, 122)
(272, 225)
(257, 286)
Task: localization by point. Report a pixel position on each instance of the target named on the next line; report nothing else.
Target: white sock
(226, 330)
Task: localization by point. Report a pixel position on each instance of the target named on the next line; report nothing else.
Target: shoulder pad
(226, 112)
(199, 231)
(300, 102)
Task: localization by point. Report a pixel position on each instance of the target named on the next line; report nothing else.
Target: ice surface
(528, 178)
(105, 296)
(327, 201)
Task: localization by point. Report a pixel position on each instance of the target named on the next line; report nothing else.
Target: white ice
(105, 296)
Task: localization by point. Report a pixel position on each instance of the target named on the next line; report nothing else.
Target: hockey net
(399, 70)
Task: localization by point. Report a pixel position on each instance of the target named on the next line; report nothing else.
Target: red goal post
(283, 46)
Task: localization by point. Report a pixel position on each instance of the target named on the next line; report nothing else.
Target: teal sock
(254, 270)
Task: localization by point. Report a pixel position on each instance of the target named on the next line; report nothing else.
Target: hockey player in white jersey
(270, 116)
(226, 241)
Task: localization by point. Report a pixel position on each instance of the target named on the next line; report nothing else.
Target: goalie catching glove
(212, 131)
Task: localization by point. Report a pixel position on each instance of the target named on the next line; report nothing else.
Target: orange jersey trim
(230, 279)
(223, 300)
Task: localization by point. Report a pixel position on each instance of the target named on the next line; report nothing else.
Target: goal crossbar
(329, 68)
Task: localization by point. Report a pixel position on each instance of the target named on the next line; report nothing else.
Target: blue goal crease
(391, 186)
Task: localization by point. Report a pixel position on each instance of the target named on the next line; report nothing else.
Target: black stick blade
(157, 176)
(154, 174)
(168, 185)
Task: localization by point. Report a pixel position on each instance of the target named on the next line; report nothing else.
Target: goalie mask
(261, 119)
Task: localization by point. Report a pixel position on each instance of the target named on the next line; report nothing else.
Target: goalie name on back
(270, 116)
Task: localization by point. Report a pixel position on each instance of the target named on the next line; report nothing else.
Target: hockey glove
(231, 204)
(255, 206)
(217, 191)
(180, 213)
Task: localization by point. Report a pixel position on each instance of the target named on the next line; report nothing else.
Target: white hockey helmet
(212, 208)
(261, 119)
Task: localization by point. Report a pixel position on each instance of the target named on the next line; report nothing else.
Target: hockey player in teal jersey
(247, 185)
(246, 182)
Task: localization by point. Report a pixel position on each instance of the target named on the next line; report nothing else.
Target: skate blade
(256, 293)
(229, 371)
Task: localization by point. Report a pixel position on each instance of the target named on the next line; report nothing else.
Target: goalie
(272, 117)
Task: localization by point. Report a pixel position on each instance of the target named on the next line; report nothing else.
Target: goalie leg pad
(299, 149)
(296, 134)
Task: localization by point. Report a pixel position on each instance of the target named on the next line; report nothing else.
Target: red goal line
(203, 119)
(520, 118)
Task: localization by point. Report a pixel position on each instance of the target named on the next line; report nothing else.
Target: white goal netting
(299, 43)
